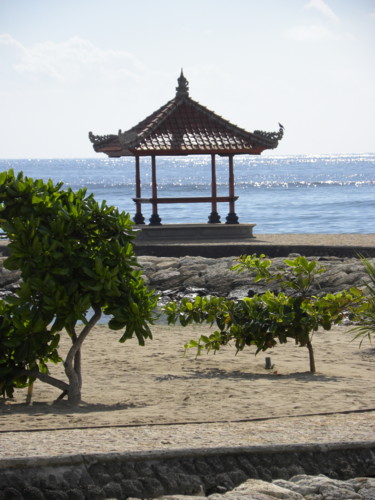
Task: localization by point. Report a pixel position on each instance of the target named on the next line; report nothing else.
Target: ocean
(280, 194)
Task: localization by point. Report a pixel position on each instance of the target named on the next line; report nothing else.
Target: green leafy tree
(77, 262)
(264, 320)
(365, 315)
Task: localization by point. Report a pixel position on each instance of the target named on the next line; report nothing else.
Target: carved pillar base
(139, 219)
(155, 220)
(214, 218)
(232, 218)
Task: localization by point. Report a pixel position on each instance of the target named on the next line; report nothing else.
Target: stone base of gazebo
(193, 233)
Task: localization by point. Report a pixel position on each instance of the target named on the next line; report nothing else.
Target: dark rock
(112, 490)
(188, 466)
(197, 281)
(12, 494)
(152, 487)
(55, 495)
(169, 480)
(225, 481)
(75, 494)
(202, 467)
(73, 477)
(167, 263)
(189, 261)
(166, 278)
(12, 479)
(189, 484)
(144, 469)
(294, 470)
(264, 474)
(97, 469)
(216, 464)
(209, 484)
(128, 471)
(280, 472)
(246, 466)
(94, 493)
(32, 493)
(118, 477)
(132, 488)
(8, 277)
(217, 489)
(237, 476)
(50, 481)
(102, 478)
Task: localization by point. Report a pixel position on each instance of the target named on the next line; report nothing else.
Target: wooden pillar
(154, 219)
(231, 217)
(138, 218)
(214, 217)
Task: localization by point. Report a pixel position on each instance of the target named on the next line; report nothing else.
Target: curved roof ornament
(182, 127)
(183, 86)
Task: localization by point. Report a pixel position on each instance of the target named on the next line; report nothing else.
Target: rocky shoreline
(178, 277)
(175, 277)
(299, 487)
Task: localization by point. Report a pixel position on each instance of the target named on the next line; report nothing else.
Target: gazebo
(184, 127)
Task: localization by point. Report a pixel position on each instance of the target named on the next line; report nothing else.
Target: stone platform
(272, 245)
(198, 233)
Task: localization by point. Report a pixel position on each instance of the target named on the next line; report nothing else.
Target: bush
(76, 259)
(366, 314)
(266, 319)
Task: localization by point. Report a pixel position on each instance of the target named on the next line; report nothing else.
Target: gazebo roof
(184, 127)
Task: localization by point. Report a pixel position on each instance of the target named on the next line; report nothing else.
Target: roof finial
(183, 86)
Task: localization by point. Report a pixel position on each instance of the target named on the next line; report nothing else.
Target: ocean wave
(184, 185)
(300, 193)
(261, 184)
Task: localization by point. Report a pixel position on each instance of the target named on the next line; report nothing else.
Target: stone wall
(184, 472)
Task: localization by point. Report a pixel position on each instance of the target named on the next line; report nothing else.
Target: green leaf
(290, 262)
(35, 200)
(115, 324)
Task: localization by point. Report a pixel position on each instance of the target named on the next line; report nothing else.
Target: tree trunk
(72, 362)
(311, 356)
(29, 395)
(74, 391)
(77, 366)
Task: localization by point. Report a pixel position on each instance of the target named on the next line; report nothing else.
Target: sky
(73, 66)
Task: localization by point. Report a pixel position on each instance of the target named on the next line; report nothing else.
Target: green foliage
(366, 314)
(265, 320)
(298, 278)
(73, 254)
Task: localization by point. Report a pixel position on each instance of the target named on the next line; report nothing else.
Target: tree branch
(44, 377)
(81, 337)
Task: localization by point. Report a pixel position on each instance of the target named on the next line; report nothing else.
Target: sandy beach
(147, 398)
(153, 398)
(126, 384)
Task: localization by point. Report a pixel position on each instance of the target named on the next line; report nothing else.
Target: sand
(125, 384)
